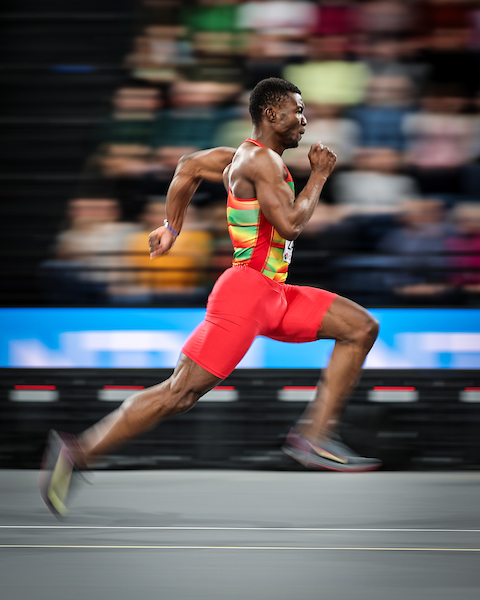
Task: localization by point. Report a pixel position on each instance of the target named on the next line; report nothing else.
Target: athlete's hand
(322, 159)
(160, 241)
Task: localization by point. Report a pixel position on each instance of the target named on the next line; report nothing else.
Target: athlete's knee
(368, 330)
(361, 329)
(179, 398)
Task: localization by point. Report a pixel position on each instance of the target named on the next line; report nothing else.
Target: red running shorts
(245, 304)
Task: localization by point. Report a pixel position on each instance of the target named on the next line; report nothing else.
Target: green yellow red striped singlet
(256, 242)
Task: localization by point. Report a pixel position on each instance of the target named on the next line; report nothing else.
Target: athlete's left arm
(190, 171)
(287, 214)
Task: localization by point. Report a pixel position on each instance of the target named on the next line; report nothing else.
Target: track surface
(237, 535)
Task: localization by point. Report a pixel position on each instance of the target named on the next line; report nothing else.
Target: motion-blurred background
(100, 99)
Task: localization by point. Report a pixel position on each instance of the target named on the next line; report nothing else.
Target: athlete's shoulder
(257, 159)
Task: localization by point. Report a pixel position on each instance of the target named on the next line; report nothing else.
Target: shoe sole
(324, 466)
(51, 464)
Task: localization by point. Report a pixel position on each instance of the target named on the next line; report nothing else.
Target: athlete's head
(269, 92)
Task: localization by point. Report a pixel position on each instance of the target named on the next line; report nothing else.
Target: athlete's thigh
(304, 315)
(218, 345)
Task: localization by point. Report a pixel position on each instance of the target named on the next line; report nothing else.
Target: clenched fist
(322, 159)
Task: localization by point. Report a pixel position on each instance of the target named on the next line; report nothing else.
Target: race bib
(288, 251)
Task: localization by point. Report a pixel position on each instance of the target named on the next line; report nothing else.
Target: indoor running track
(244, 535)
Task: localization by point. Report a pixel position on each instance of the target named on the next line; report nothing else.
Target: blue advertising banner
(153, 338)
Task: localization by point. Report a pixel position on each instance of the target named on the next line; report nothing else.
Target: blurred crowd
(392, 86)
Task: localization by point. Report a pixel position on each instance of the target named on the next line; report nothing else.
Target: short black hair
(269, 92)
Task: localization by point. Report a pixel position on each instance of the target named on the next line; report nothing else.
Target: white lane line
(327, 548)
(201, 528)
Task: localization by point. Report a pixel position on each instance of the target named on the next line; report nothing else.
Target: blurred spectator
(465, 248)
(277, 17)
(388, 101)
(238, 127)
(212, 27)
(158, 53)
(335, 17)
(178, 276)
(473, 18)
(275, 35)
(375, 185)
(445, 14)
(440, 140)
(392, 17)
(449, 58)
(328, 75)
(89, 253)
(393, 56)
(415, 262)
(197, 108)
(135, 106)
(267, 54)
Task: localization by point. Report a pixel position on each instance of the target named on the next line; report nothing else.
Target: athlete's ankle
(313, 433)
(79, 455)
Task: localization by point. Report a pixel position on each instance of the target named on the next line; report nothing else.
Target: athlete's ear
(271, 114)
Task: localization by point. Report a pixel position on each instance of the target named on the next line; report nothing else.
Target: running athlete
(249, 299)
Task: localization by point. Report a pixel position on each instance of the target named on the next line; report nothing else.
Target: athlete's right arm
(190, 171)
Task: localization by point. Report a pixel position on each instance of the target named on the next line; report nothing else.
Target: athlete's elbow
(188, 168)
(186, 162)
(290, 232)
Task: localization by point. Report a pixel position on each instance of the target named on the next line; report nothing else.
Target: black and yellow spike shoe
(58, 473)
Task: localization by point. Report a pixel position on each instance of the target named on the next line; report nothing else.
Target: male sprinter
(249, 299)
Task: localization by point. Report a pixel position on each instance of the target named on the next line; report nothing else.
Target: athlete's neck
(267, 139)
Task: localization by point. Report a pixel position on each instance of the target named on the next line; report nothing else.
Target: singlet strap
(254, 142)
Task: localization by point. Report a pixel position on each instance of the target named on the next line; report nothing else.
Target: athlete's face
(291, 120)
